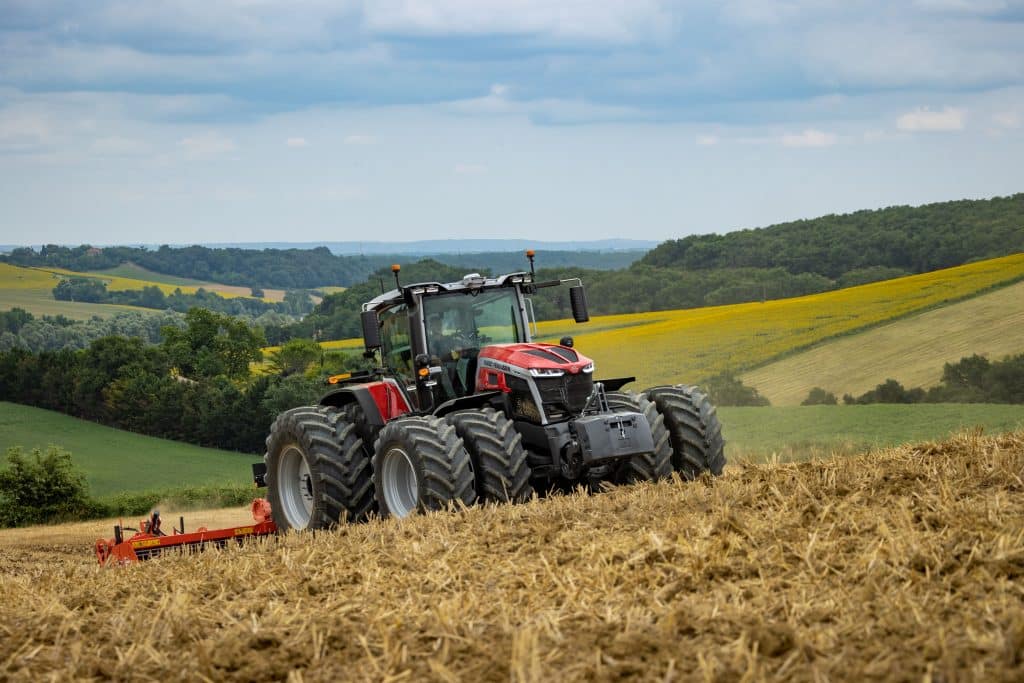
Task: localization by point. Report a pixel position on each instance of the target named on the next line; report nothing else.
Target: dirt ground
(906, 564)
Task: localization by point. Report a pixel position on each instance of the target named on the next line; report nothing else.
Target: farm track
(903, 564)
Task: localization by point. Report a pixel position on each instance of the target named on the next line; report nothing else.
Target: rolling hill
(115, 461)
(911, 350)
(32, 290)
(689, 345)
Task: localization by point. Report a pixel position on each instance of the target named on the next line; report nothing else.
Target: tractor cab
(430, 334)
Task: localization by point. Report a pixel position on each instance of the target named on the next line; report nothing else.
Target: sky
(248, 120)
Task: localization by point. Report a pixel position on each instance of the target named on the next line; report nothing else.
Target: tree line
(281, 268)
(94, 290)
(972, 379)
(910, 239)
(194, 386)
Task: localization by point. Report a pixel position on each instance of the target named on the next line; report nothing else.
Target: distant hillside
(288, 268)
(911, 351)
(911, 239)
(452, 246)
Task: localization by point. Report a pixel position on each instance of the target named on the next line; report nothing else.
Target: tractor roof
(471, 282)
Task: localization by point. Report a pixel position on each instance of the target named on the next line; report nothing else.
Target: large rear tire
(694, 428)
(500, 468)
(646, 466)
(318, 473)
(420, 464)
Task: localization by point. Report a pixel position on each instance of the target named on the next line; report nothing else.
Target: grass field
(902, 565)
(115, 461)
(912, 350)
(802, 432)
(32, 290)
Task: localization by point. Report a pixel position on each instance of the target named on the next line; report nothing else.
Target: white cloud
(296, 142)
(360, 140)
(470, 169)
(809, 138)
(926, 120)
(1006, 119)
(707, 140)
(209, 145)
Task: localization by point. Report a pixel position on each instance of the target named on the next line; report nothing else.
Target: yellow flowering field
(689, 345)
(119, 283)
(32, 290)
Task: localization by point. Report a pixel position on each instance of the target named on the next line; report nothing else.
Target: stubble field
(902, 564)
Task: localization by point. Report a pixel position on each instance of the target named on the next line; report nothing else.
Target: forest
(911, 239)
(193, 386)
(280, 268)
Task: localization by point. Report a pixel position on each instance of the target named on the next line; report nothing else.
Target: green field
(912, 350)
(115, 461)
(801, 432)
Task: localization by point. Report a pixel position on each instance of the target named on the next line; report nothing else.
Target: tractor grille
(562, 397)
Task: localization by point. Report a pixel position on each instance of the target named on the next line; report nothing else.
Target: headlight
(589, 367)
(546, 372)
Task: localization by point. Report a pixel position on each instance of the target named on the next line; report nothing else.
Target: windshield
(472, 320)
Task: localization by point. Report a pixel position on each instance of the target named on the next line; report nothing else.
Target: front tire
(694, 428)
(318, 473)
(500, 467)
(645, 466)
(420, 464)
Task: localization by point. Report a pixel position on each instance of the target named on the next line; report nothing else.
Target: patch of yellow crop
(15, 277)
(118, 283)
(688, 345)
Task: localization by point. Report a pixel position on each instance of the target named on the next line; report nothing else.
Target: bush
(819, 397)
(40, 488)
(890, 391)
(728, 390)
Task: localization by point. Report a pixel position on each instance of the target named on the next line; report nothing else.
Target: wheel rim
(295, 485)
(399, 483)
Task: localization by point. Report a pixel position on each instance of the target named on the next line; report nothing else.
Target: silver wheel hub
(295, 486)
(399, 483)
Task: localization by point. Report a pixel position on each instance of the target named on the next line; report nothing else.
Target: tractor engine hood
(539, 360)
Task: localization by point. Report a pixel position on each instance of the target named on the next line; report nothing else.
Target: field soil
(901, 564)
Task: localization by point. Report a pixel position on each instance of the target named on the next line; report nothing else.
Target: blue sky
(249, 120)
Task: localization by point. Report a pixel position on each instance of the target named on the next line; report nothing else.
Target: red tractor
(467, 408)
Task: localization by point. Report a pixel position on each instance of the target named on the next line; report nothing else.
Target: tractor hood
(543, 359)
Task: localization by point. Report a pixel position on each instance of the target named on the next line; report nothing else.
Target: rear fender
(381, 401)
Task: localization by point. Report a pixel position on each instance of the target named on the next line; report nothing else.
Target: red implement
(149, 540)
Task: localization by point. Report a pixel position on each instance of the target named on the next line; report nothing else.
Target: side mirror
(578, 299)
(371, 330)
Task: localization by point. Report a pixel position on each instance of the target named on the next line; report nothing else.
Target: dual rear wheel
(320, 471)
